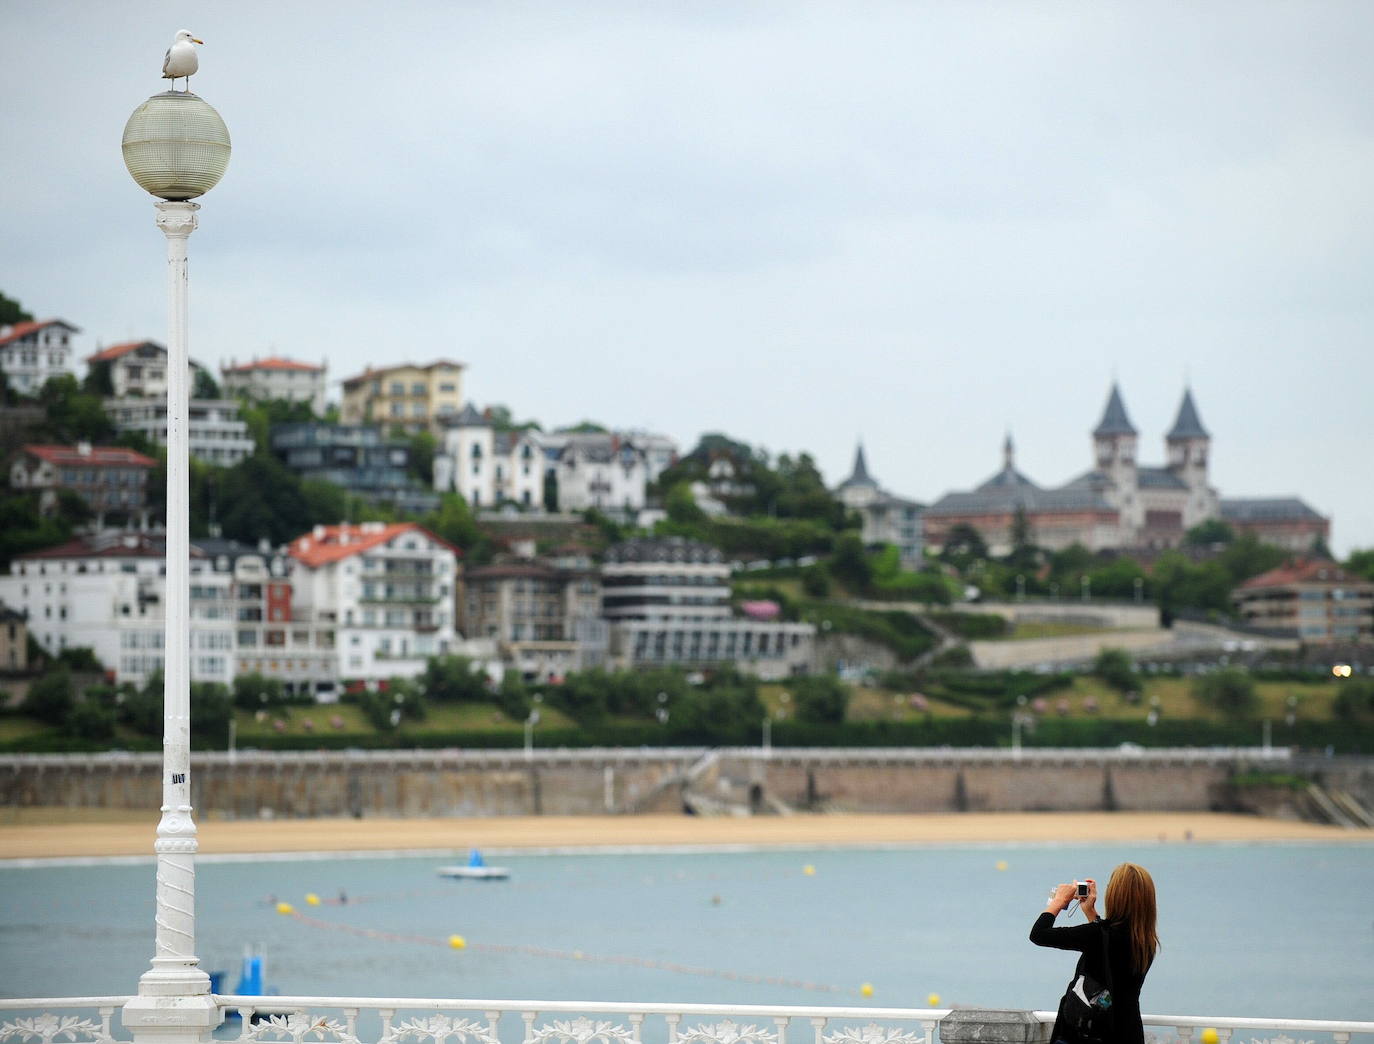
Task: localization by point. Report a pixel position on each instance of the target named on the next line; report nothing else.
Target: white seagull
(181, 59)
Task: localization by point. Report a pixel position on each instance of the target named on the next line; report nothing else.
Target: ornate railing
(397, 1020)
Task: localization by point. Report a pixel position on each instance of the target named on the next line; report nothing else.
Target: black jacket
(1126, 981)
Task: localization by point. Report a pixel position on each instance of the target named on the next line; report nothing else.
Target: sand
(32, 835)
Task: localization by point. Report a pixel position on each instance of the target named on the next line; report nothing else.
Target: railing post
(984, 1026)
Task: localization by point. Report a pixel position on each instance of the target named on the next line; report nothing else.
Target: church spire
(860, 477)
(1187, 425)
(1114, 420)
(1008, 453)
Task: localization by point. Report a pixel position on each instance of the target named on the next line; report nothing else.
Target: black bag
(1086, 1010)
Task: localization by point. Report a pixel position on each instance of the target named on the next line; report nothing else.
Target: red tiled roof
(274, 362)
(21, 330)
(99, 456)
(114, 351)
(126, 545)
(1315, 570)
(315, 551)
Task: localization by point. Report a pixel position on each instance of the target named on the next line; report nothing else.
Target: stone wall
(460, 783)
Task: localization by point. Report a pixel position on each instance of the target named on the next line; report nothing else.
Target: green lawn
(344, 718)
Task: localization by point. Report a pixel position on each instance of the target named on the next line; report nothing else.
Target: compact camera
(1082, 889)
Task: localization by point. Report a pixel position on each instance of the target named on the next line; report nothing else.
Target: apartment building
(276, 378)
(33, 352)
(410, 396)
(357, 457)
(215, 431)
(387, 589)
(112, 480)
(1315, 600)
(668, 602)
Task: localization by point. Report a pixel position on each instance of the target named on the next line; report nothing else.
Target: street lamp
(177, 148)
(530, 723)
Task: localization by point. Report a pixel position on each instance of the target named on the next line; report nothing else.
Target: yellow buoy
(809, 870)
(933, 1001)
(1001, 864)
(312, 899)
(285, 908)
(1209, 1036)
(457, 942)
(866, 989)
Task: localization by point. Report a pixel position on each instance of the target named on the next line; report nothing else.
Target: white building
(216, 432)
(387, 589)
(490, 468)
(107, 592)
(32, 352)
(138, 368)
(668, 602)
(887, 518)
(600, 470)
(276, 378)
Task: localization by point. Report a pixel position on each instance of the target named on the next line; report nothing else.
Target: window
(418, 389)
(398, 388)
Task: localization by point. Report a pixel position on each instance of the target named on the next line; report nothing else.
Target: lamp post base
(164, 1018)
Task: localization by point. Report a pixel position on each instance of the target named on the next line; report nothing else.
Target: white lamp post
(177, 148)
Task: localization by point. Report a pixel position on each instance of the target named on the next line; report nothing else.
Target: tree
(256, 691)
(423, 446)
(74, 415)
(1361, 563)
(204, 386)
(455, 679)
(820, 699)
(454, 522)
(1230, 691)
(91, 720)
(50, 698)
(80, 658)
(850, 565)
(260, 498)
(11, 312)
(681, 505)
(1115, 667)
(963, 544)
(1206, 534)
(1024, 553)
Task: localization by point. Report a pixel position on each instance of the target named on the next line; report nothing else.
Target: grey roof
(1187, 425)
(1158, 478)
(1007, 479)
(860, 477)
(1005, 500)
(1114, 420)
(1266, 509)
(665, 549)
(469, 417)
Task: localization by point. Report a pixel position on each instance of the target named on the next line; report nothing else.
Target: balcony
(409, 1020)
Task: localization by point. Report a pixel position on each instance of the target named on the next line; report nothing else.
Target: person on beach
(1126, 937)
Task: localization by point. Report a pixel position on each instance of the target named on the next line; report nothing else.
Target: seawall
(616, 781)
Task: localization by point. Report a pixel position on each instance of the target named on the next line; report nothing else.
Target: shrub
(1116, 668)
(820, 699)
(1230, 691)
(50, 698)
(91, 720)
(972, 626)
(1355, 699)
(815, 581)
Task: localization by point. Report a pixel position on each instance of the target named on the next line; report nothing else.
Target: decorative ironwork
(296, 1027)
(439, 1029)
(64, 1029)
(727, 1032)
(874, 1034)
(582, 1030)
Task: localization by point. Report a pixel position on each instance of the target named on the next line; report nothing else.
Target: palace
(1121, 503)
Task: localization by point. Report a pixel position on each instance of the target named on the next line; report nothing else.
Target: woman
(1131, 944)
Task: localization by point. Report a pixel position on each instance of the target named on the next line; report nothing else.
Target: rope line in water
(574, 955)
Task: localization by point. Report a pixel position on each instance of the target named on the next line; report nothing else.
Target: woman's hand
(1089, 905)
(1060, 898)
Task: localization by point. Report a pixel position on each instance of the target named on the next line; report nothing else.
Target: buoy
(809, 870)
(457, 942)
(578, 955)
(312, 899)
(1209, 1036)
(285, 908)
(1001, 864)
(866, 989)
(933, 1001)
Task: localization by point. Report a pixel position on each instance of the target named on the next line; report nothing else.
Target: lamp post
(177, 148)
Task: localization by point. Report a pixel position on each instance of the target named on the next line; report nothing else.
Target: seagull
(181, 59)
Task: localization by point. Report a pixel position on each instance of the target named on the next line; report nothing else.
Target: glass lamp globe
(176, 146)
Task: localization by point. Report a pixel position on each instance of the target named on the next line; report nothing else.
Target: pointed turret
(1008, 454)
(860, 477)
(1187, 425)
(1114, 420)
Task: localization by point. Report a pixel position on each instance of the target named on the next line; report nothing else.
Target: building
(545, 618)
(14, 641)
(356, 457)
(112, 480)
(107, 592)
(138, 368)
(887, 518)
(489, 468)
(276, 378)
(668, 602)
(598, 470)
(1314, 600)
(1119, 503)
(413, 397)
(216, 433)
(387, 589)
(33, 352)
(251, 587)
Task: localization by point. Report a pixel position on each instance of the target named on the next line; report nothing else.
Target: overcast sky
(919, 224)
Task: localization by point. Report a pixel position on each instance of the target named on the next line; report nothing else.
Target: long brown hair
(1131, 901)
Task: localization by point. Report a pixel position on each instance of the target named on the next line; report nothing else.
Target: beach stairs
(1338, 807)
(708, 788)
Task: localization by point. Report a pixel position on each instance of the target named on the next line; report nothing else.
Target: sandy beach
(33, 835)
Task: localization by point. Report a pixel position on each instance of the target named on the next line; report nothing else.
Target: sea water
(1281, 931)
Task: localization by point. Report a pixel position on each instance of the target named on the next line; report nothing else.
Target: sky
(922, 225)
